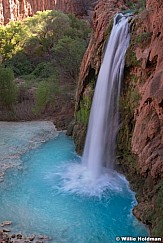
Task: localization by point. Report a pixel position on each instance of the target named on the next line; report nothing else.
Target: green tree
(47, 28)
(8, 90)
(12, 38)
(20, 63)
(68, 55)
(78, 28)
(49, 44)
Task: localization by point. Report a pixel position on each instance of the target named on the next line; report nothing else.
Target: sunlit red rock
(20, 9)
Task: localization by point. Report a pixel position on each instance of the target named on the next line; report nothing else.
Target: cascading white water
(91, 177)
(100, 143)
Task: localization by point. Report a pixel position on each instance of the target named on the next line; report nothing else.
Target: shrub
(44, 70)
(20, 64)
(68, 55)
(42, 95)
(41, 47)
(46, 93)
(143, 38)
(8, 89)
(137, 5)
(12, 38)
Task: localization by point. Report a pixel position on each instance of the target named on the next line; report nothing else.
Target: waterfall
(100, 145)
(96, 176)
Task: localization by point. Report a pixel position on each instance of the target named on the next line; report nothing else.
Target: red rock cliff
(104, 12)
(143, 135)
(147, 141)
(19, 9)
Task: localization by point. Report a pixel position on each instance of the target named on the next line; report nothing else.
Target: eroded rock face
(20, 9)
(147, 140)
(103, 14)
(145, 74)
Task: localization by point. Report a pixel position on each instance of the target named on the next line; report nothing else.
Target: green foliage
(47, 37)
(138, 5)
(78, 29)
(46, 29)
(44, 51)
(131, 60)
(128, 102)
(20, 64)
(43, 95)
(143, 38)
(68, 55)
(8, 88)
(12, 38)
(82, 115)
(44, 70)
(109, 29)
(47, 92)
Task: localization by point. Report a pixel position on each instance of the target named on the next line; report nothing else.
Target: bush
(42, 95)
(45, 94)
(68, 55)
(12, 38)
(8, 89)
(44, 70)
(138, 5)
(20, 64)
(48, 46)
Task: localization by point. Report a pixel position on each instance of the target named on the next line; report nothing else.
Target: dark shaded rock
(6, 230)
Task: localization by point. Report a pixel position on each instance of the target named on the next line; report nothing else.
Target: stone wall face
(147, 141)
(20, 9)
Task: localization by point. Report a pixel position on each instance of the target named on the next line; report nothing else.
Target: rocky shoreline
(7, 237)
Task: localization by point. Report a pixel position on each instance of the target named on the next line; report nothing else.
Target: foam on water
(76, 178)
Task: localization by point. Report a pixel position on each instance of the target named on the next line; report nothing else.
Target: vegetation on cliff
(45, 53)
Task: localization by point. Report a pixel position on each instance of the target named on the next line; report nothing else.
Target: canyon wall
(20, 9)
(140, 138)
(101, 24)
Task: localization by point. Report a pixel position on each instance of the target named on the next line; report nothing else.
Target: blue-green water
(48, 195)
